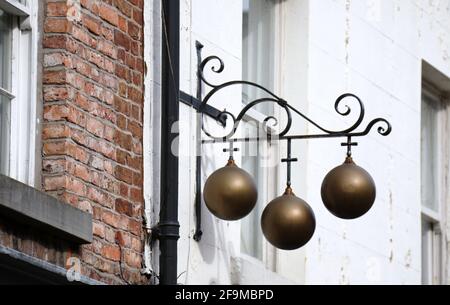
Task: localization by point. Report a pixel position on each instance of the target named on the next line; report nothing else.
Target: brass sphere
(288, 222)
(230, 193)
(348, 191)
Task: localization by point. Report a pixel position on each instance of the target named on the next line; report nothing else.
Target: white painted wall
(152, 130)
(207, 262)
(372, 48)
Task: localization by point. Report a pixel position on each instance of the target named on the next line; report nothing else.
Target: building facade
(394, 56)
(72, 115)
(81, 116)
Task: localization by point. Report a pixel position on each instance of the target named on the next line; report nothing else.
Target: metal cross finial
(289, 161)
(231, 150)
(349, 145)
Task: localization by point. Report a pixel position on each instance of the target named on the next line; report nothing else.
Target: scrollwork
(382, 130)
(340, 107)
(236, 121)
(215, 69)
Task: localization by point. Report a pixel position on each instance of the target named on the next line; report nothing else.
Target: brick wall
(92, 126)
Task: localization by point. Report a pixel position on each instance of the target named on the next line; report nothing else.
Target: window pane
(258, 65)
(4, 134)
(251, 237)
(258, 50)
(5, 83)
(432, 262)
(438, 267)
(5, 50)
(429, 156)
(427, 253)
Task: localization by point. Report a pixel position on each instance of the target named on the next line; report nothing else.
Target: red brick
(54, 166)
(109, 14)
(76, 186)
(55, 148)
(92, 24)
(55, 42)
(57, 25)
(55, 132)
(133, 259)
(134, 31)
(55, 94)
(124, 207)
(124, 174)
(98, 229)
(111, 252)
(124, 8)
(110, 218)
(56, 9)
(56, 77)
(92, 85)
(95, 127)
(54, 183)
(122, 40)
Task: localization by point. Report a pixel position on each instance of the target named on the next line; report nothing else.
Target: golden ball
(348, 191)
(288, 222)
(230, 193)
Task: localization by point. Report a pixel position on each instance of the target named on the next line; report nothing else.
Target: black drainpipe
(169, 227)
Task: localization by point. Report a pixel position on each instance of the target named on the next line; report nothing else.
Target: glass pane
(5, 83)
(429, 154)
(5, 50)
(427, 253)
(258, 50)
(438, 267)
(251, 237)
(4, 134)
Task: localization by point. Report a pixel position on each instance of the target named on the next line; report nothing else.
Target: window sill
(249, 271)
(33, 208)
(14, 8)
(17, 268)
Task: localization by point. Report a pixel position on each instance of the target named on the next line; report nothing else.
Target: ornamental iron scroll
(341, 205)
(289, 109)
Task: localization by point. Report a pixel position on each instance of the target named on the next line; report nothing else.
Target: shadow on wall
(214, 246)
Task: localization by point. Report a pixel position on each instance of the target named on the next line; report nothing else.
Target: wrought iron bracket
(210, 111)
(201, 104)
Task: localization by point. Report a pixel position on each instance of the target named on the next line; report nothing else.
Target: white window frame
(267, 185)
(23, 119)
(270, 175)
(437, 219)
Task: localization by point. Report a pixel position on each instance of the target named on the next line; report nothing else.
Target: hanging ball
(230, 193)
(348, 191)
(288, 222)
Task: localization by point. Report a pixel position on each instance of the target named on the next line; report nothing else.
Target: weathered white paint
(23, 112)
(207, 262)
(372, 48)
(152, 129)
(379, 57)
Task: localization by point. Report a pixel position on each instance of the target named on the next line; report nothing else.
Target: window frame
(21, 159)
(437, 219)
(270, 175)
(6, 93)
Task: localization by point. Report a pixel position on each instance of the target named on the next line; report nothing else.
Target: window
(258, 65)
(5, 87)
(18, 46)
(433, 207)
(258, 49)
(260, 160)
